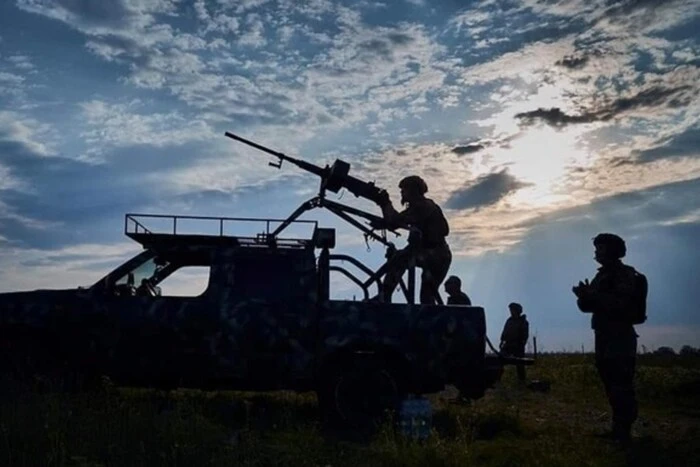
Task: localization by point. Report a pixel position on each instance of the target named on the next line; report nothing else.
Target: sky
(536, 124)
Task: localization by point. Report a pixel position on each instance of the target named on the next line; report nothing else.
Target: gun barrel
(309, 167)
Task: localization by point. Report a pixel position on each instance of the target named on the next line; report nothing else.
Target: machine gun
(333, 178)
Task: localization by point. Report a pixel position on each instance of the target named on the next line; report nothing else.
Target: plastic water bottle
(415, 417)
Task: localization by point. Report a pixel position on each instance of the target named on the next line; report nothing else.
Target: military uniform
(514, 338)
(427, 246)
(460, 298)
(609, 299)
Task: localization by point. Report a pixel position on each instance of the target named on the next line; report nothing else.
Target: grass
(510, 426)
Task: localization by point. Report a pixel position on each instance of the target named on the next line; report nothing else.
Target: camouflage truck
(265, 321)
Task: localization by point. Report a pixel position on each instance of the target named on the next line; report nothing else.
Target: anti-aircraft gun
(333, 179)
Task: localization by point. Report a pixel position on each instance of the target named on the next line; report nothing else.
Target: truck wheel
(359, 394)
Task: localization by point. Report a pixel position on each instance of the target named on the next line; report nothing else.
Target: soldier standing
(515, 334)
(455, 296)
(426, 242)
(610, 297)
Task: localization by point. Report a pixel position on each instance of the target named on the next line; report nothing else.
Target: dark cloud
(468, 149)
(485, 191)
(573, 62)
(384, 46)
(399, 38)
(554, 117)
(683, 144)
(652, 97)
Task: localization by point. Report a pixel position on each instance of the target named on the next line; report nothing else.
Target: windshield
(145, 271)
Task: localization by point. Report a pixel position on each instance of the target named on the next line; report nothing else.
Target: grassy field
(510, 426)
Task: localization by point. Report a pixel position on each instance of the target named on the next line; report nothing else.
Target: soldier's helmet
(615, 244)
(453, 280)
(414, 183)
(517, 307)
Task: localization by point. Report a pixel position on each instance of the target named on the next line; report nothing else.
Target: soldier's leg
(622, 395)
(434, 264)
(602, 363)
(616, 359)
(395, 269)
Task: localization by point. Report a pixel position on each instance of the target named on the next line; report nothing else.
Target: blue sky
(537, 124)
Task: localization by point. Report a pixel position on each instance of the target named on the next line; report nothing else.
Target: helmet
(615, 244)
(453, 280)
(414, 183)
(516, 307)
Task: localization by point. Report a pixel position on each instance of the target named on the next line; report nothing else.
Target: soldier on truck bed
(426, 242)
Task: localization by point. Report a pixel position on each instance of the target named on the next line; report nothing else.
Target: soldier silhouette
(455, 296)
(515, 334)
(426, 242)
(610, 297)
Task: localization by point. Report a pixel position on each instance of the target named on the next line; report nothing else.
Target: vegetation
(512, 425)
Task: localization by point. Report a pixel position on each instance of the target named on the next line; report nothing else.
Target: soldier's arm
(395, 219)
(585, 304)
(526, 332)
(617, 299)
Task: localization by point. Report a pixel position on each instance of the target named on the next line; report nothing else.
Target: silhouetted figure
(612, 299)
(515, 334)
(426, 242)
(455, 296)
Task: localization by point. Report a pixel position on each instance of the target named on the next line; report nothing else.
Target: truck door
(160, 322)
(275, 311)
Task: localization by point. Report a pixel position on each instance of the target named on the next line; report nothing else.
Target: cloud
(555, 117)
(32, 136)
(67, 267)
(683, 144)
(573, 62)
(485, 191)
(468, 149)
(111, 125)
(648, 98)
(100, 17)
(341, 71)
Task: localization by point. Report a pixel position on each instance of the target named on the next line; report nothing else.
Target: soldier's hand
(383, 198)
(581, 288)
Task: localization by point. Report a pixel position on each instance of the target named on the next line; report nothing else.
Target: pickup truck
(263, 322)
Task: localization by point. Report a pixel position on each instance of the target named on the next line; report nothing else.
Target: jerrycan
(415, 417)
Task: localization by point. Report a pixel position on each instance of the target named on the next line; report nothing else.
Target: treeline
(685, 351)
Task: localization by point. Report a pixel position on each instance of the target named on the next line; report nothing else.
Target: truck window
(187, 281)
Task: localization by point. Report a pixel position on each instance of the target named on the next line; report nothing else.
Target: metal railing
(135, 224)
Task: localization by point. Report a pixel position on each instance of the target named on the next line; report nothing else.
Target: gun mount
(333, 179)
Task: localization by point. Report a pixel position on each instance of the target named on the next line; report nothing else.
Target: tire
(359, 394)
